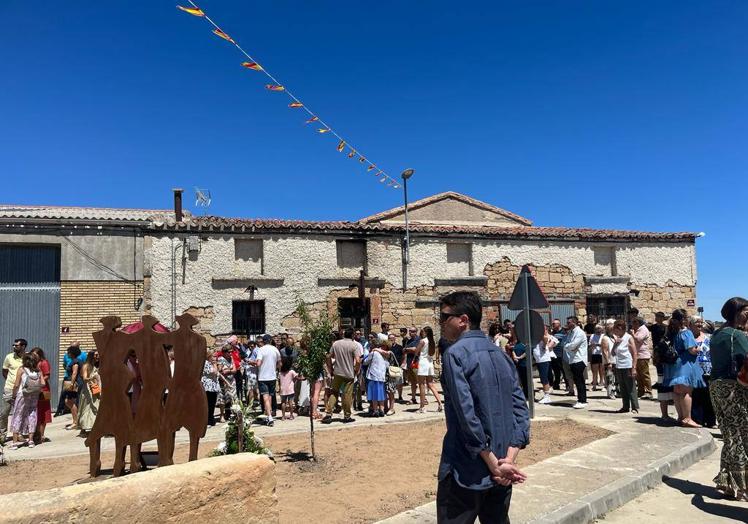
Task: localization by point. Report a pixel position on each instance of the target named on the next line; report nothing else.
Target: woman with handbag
(71, 387)
(394, 377)
(44, 405)
(684, 374)
(729, 391)
(26, 390)
(90, 393)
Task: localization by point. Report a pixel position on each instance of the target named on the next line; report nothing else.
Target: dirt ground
(363, 474)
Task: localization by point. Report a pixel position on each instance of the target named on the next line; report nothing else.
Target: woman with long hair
(596, 357)
(26, 390)
(90, 393)
(729, 350)
(426, 350)
(44, 405)
(684, 374)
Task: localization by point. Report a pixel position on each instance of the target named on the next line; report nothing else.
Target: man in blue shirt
(487, 419)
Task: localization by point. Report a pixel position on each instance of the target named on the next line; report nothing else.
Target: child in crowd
(287, 378)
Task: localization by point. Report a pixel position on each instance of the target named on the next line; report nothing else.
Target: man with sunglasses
(477, 467)
(12, 363)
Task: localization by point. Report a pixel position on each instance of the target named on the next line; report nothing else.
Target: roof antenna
(203, 199)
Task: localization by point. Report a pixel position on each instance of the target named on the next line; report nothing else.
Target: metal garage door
(30, 301)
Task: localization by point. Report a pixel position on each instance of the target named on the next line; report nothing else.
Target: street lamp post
(405, 176)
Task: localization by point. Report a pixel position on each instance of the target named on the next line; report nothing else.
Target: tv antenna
(202, 198)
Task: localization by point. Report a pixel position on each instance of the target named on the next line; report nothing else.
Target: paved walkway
(590, 481)
(64, 443)
(689, 496)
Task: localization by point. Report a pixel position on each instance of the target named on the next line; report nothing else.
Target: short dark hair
(74, 351)
(348, 333)
(732, 307)
(464, 303)
(494, 329)
(385, 325)
(21, 341)
(575, 319)
(29, 361)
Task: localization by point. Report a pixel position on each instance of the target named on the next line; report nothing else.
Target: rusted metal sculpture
(158, 415)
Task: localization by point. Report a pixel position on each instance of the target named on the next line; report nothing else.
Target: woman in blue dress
(684, 374)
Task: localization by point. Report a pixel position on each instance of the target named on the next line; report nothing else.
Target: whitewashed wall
(300, 261)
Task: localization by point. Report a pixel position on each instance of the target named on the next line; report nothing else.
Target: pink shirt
(286, 382)
(643, 342)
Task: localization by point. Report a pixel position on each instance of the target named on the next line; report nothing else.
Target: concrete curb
(616, 494)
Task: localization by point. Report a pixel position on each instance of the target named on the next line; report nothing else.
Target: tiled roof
(384, 215)
(79, 213)
(211, 223)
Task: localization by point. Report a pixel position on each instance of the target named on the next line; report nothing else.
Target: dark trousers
(577, 373)
(212, 397)
(239, 381)
(458, 505)
(627, 386)
(702, 411)
(522, 372)
(557, 373)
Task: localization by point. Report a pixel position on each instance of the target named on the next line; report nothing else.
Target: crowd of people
(376, 367)
(701, 370)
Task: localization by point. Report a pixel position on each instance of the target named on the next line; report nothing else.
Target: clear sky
(627, 115)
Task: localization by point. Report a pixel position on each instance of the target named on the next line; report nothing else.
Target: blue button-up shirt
(484, 407)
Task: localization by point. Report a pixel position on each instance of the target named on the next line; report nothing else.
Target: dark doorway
(354, 313)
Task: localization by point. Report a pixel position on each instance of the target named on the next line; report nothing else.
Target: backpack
(665, 351)
(32, 386)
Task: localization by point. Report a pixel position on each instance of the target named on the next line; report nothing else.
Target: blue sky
(628, 115)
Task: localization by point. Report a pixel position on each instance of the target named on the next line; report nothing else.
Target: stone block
(239, 488)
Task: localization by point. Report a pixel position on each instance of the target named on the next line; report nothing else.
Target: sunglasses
(443, 317)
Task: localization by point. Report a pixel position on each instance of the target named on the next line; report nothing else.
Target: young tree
(316, 338)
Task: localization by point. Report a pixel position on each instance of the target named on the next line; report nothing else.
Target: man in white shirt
(385, 334)
(268, 363)
(575, 353)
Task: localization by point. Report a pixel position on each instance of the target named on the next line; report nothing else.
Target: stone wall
(231, 488)
(306, 268)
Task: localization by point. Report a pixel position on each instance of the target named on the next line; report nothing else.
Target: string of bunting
(295, 103)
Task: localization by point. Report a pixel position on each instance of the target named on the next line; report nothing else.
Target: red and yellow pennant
(254, 66)
(341, 146)
(223, 35)
(313, 119)
(323, 130)
(195, 11)
(275, 87)
(352, 153)
(295, 104)
(371, 168)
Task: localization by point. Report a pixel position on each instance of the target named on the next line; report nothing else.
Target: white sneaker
(580, 405)
(545, 400)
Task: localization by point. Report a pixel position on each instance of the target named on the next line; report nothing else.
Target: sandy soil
(363, 474)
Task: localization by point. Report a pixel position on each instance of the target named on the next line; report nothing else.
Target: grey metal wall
(30, 301)
(32, 311)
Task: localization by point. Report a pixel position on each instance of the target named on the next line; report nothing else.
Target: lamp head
(407, 173)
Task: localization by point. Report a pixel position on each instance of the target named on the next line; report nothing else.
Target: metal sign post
(528, 346)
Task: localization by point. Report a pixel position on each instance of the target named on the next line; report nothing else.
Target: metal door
(30, 301)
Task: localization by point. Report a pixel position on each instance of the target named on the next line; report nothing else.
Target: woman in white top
(625, 352)
(543, 353)
(596, 357)
(426, 350)
(609, 359)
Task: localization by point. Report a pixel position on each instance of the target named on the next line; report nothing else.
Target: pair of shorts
(267, 387)
(287, 398)
(596, 359)
(543, 371)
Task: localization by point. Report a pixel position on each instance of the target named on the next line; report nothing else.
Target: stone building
(246, 276)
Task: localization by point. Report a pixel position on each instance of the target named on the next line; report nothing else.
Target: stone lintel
(477, 281)
(259, 282)
(350, 281)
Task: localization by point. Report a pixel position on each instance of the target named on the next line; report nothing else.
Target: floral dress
(228, 386)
